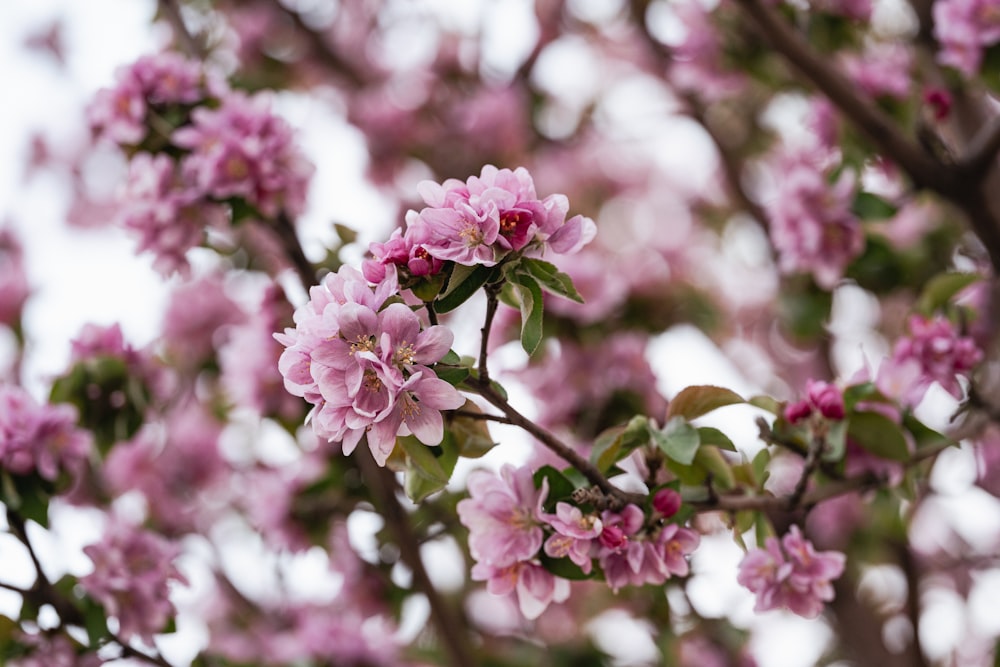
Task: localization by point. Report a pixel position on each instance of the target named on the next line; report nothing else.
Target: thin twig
(172, 12)
(564, 451)
(482, 416)
(491, 309)
(290, 241)
(449, 627)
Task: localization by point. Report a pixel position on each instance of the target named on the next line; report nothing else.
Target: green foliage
(696, 401)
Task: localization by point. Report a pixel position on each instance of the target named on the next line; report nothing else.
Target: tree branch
(981, 153)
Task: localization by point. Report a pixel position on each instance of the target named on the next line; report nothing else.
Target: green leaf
(472, 436)
(678, 440)
(426, 473)
(564, 567)
(857, 393)
(617, 442)
(759, 465)
(766, 403)
(879, 435)
(428, 287)
(940, 289)
(95, 621)
(711, 459)
(531, 312)
(868, 206)
(836, 441)
(451, 359)
(453, 375)
(551, 278)
(925, 436)
(345, 233)
(560, 487)
(696, 401)
(713, 436)
(463, 283)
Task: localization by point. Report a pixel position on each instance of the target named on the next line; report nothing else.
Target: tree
(550, 224)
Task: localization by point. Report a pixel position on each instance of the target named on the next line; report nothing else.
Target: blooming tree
(490, 380)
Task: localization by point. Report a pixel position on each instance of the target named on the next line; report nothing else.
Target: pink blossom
(483, 219)
(176, 466)
(536, 588)
(42, 439)
(933, 352)
(408, 252)
(791, 574)
(197, 319)
(133, 569)
(883, 69)
(504, 516)
(667, 502)
(119, 113)
(14, 290)
(52, 650)
(167, 215)
(965, 28)
(574, 536)
(242, 149)
(366, 371)
(822, 397)
(812, 226)
(698, 60)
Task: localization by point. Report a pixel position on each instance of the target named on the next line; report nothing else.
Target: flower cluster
(791, 574)
(194, 146)
(508, 528)
(933, 352)
(36, 438)
(821, 397)
(364, 364)
(479, 222)
(812, 226)
(965, 28)
(131, 578)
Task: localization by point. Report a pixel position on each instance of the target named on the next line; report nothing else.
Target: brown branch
(449, 627)
(189, 44)
(557, 446)
(981, 154)
(491, 310)
(482, 416)
(285, 229)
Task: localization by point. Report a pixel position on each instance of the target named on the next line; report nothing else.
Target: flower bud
(613, 537)
(667, 502)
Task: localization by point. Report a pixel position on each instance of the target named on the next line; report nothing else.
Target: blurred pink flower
(791, 574)
(965, 28)
(40, 438)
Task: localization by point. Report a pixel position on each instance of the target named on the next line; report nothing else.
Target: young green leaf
(678, 440)
(531, 312)
(879, 435)
(463, 283)
(696, 401)
(550, 278)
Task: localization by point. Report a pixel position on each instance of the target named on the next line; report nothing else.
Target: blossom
(167, 214)
(133, 569)
(536, 588)
(933, 352)
(366, 370)
(242, 149)
(503, 515)
(574, 535)
(630, 555)
(40, 438)
(965, 28)
(822, 397)
(883, 69)
(119, 113)
(791, 574)
(812, 226)
(490, 215)
(14, 288)
(667, 502)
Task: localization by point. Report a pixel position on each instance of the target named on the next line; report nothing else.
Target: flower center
(472, 236)
(372, 382)
(363, 344)
(405, 354)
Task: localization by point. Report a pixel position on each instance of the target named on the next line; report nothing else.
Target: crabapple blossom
(536, 588)
(574, 535)
(821, 397)
(630, 555)
(812, 226)
(366, 370)
(242, 149)
(493, 214)
(965, 28)
(40, 438)
(933, 352)
(133, 569)
(791, 574)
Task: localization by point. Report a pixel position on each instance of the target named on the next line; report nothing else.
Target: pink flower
(667, 502)
(933, 352)
(167, 215)
(964, 28)
(504, 516)
(366, 370)
(883, 69)
(483, 219)
(536, 588)
(574, 536)
(822, 397)
(133, 569)
(14, 288)
(119, 113)
(409, 253)
(197, 318)
(791, 574)
(42, 439)
(812, 226)
(244, 150)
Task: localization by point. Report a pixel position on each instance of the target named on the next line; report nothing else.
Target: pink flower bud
(667, 502)
(613, 537)
(827, 398)
(796, 412)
